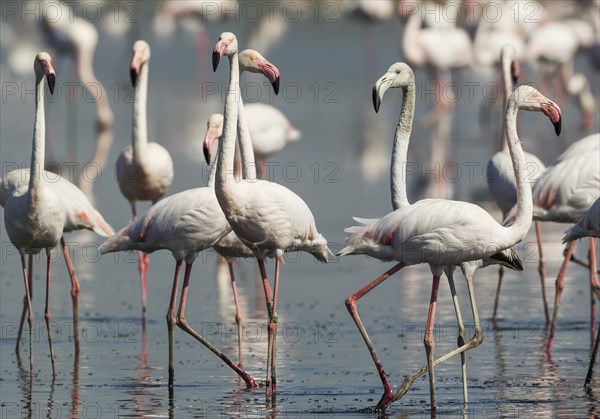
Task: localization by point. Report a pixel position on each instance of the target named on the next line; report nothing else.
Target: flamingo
(444, 233)
(34, 216)
(588, 226)
(270, 131)
(500, 176)
(80, 214)
(400, 75)
(144, 169)
(267, 217)
(187, 223)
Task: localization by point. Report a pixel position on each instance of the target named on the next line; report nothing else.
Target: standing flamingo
(500, 176)
(80, 214)
(588, 226)
(34, 216)
(144, 169)
(401, 76)
(267, 217)
(445, 233)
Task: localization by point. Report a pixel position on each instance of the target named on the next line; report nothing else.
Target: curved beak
(379, 90)
(553, 112)
(211, 135)
(50, 75)
(270, 72)
(135, 67)
(515, 71)
(218, 52)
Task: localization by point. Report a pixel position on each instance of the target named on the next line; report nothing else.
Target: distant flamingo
(588, 226)
(80, 214)
(267, 217)
(500, 176)
(34, 216)
(443, 234)
(401, 76)
(144, 169)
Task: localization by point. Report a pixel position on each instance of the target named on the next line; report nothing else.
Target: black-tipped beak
(216, 57)
(275, 85)
(376, 99)
(133, 76)
(206, 154)
(557, 126)
(51, 82)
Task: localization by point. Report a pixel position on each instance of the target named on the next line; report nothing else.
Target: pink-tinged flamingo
(34, 215)
(501, 178)
(79, 214)
(588, 226)
(267, 217)
(401, 76)
(144, 169)
(443, 234)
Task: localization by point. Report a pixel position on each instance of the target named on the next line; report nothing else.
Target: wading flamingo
(588, 226)
(34, 215)
(417, 234)
(144, 169)
(501, 178)
(267, 217)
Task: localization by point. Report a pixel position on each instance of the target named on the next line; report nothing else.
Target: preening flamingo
(588, 226)
(267, 217)
(500, 176)
(79, 214)
(401, 76)
(144, 169)
(445, 233)
(34, 215)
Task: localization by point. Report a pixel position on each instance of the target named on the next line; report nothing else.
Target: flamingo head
(508, 56)
(141, 55)
(530, 99)
(214, 131)
(398, 75)
(43, 67)
(226, 45)
(254, 62)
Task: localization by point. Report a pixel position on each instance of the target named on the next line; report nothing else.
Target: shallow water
(323, 366)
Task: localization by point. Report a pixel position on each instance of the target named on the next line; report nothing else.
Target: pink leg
(273, 325)
(269, 302)
(183, 324)
(497, 299)
(47, 312)
(75, 290)
(541, 270)
(171, 321)
(238, 313)
(429, 341)
(143, 261)
(351, 301)
(559, 288)
(24, 311)
(594, 286)
(26, 280)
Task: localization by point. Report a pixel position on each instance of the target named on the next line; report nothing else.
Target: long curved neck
(508, 89)
(245, 143)
(524, 215)
(410, 46)
(227, 147)
(39, 146)
(400, 150)
(139, 135)
(85, 70)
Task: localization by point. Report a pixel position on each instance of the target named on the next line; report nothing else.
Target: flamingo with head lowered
(268, 218)
(443, 233)
(144, 169)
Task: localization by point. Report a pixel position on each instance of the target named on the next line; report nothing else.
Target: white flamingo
(443, 234)
(144, 169)
(267, 217)
(588, 226)
(501, 178)
(34, 215)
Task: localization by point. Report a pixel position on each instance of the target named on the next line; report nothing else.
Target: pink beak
(50, 75)
(272, 73)
(552, 111)
(515, 71)
(211, 135)
(135, 67)
(218, 52)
